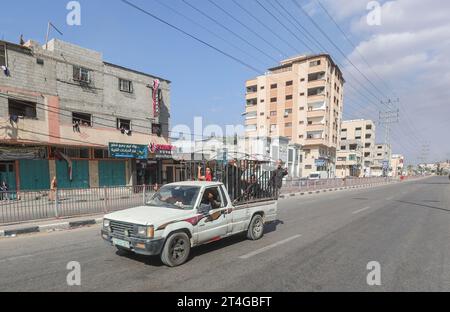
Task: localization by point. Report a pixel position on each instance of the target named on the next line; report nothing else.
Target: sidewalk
(50, 225)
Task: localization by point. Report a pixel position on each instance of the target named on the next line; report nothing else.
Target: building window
(273, 100)
(302, 79)
(23, 109)
(100, 154)
(368, 136)
(262, 101)
(81, 74)
(308, 167)
(289, 83)
(273, 86)
(287, 111)
(125, 85)
(123, 124)
(40, 61)
(302, 108)
(157, 129)
(315, 63)
(273, 128)
(263, 87)
(273, 113)
(302, 94)
(369, 127)
(3, 55)
(288, 125)
(289, 97)
(82, 119)
(301, 136)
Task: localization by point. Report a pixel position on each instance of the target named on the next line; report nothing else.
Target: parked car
(184, 215)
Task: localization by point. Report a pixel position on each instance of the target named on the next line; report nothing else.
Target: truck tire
(256, 228)
(176, 249)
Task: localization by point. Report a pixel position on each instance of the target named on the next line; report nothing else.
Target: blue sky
(206, 83)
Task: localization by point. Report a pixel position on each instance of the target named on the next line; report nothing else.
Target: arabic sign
(133, 151)
(161, 151)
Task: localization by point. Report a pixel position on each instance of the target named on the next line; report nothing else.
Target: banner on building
(128, 151)
(161, 151)
(156, 84)
(321, 162)
(22, 153)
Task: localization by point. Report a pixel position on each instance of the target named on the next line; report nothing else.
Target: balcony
(252, 102)
(252, 89)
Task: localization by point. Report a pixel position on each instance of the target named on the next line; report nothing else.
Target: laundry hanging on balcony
(5, 70)
(62, 156)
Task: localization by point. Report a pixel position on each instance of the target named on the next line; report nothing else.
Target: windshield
(175, 197)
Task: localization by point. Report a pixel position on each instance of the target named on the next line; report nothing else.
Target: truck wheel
(256, 228)
(176, 250)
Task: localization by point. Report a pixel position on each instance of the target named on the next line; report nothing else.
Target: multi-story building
(382, 160)
(397, 165)
(362, 131)
(350, 158)
(61, 106)
(301, 99)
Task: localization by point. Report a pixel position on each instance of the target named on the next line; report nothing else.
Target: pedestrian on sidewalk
(53, 189)
(4, 190)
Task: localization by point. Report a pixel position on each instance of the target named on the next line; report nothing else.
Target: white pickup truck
(184, 215)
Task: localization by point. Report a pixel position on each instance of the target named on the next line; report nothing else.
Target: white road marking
(259, 251)
(360, 210)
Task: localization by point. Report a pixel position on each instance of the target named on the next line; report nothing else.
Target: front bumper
(147, 247)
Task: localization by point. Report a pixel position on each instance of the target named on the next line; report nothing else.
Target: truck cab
(184, 215)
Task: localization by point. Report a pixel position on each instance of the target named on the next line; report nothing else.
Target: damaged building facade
(62, 108)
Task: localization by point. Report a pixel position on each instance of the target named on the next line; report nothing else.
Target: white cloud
(410, 51)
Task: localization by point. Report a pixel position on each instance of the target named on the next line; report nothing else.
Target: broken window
(82, 119)
(22, 108)
(123, 124)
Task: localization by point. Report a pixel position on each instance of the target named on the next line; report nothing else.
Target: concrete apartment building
(382, 160)
(350, 158)
(61, 106)
(359, 133)
(301, 99)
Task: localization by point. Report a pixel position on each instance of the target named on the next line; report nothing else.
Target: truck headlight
(106, 223)
(146, 231)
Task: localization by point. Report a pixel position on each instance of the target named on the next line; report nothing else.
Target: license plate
(121, 243)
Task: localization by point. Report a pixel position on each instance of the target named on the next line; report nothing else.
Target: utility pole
(387, 118)
(423, 158)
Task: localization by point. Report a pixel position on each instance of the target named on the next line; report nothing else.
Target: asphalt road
(321, 243)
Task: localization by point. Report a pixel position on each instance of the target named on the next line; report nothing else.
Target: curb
(49, 227)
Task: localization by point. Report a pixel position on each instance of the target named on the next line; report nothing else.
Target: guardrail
(305, 185)
(37, 205)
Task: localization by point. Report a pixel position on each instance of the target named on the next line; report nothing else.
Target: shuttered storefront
(34, 175)
(111, 173)
(80, 174)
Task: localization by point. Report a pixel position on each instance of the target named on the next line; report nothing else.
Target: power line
(208, 30)
(229, 30)
(246, 27)
(191, 36)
